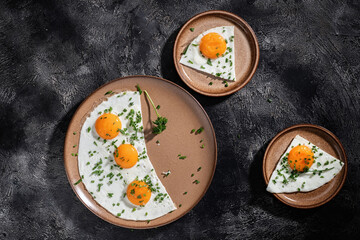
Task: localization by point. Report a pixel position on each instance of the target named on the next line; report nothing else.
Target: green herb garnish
(160, 122)
(80, 180)
(192, 29)
(185, 50)
(109, 92)
(139, 89)
(200, 130)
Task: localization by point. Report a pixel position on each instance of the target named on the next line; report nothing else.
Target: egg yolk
(108, 126)
(300, 158)
(126, 155)
(212, 45)
(138, 192)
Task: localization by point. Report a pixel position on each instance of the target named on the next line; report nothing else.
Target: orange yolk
(108, 126)
(126, 155)
(300, 158)
(212, 45)
(138, 192)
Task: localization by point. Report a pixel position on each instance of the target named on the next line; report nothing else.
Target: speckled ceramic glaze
(246, 53)
(322, 138)
(184, 113)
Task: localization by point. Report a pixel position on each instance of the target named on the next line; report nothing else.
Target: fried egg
(113, 161)
(212, 52)
(303, 167)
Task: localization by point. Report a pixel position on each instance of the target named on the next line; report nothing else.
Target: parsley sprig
(160, 122)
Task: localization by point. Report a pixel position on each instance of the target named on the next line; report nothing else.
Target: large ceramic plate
(184, 113)
(246, 53)
(322, 138)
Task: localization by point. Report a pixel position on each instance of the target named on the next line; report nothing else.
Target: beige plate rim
(243, 22)
(69, 134)
(306, 125)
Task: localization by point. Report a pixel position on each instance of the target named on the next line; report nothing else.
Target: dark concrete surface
(55, 53)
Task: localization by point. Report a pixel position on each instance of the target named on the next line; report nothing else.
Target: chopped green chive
(200, 130)
(185, 50)
(80, 180)
(139, 89)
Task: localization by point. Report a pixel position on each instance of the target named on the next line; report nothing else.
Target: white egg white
(103, 178)
(223, 66)
(322, 171)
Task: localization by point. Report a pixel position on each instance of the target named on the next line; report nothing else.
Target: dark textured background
(55, 53)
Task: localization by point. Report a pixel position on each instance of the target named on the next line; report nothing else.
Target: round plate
(246, 53)
(322, 138)
(184, 113)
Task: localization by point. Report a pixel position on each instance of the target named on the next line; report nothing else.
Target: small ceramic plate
(246, 53)
(184, 113)
(322, 138)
